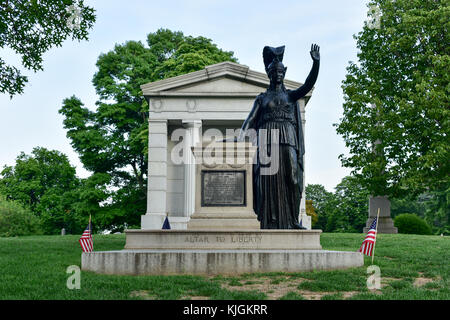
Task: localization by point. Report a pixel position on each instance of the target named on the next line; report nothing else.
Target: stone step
(213, 262)
(223, 239)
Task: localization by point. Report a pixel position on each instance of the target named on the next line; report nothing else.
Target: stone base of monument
(224, 239)
(209, 252)
(223, 221)
(385, 225)
(385, 222)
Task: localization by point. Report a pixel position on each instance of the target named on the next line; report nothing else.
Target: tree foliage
(412, 224)
(112, 138)
(345, 210)
(437, 210)
(31, 28)
(320, 199)
(15, 220)
(352, 206)
(311, 211)
(43, 182)
(396, 120)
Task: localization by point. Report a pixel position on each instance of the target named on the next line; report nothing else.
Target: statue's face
(277, 74)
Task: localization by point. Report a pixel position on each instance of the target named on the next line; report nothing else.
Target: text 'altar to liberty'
(227, 239)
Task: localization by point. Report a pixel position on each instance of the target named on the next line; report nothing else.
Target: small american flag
(87, 245)
(370, 239)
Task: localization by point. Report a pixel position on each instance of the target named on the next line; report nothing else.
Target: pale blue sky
(245, 27)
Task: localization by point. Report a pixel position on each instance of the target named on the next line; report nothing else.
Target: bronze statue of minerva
(275, 117)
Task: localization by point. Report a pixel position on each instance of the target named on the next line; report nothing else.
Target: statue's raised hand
(312, 77)
(315, 54)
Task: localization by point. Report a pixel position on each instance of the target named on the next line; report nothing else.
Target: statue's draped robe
(276, 197)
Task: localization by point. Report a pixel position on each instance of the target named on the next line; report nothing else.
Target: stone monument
(189, 108)
(385, 223)
(218, 231)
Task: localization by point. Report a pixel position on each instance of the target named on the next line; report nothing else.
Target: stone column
(306, 220)
(385, 222)
(157, 175)
(191, 138)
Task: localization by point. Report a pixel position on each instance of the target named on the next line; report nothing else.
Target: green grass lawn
(412, 267)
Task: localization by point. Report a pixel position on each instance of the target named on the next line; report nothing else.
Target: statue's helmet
(273, 58)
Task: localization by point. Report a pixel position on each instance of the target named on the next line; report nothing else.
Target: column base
(306, 220)
(178, 223)
(153, 221)
(385, 225)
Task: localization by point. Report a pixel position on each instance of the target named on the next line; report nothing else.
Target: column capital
(157, 120)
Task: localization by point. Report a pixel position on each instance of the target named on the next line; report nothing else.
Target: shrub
(15, 220)
(412, 224)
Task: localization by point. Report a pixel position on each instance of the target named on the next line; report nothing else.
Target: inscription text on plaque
(223, 188)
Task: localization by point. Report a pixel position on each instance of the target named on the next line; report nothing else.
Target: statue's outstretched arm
(312, 77)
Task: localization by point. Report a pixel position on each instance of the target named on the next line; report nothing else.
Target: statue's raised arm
(312, 77)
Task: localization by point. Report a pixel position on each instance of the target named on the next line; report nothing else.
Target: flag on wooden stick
(369, 241)
(368, 244)
(86, 242)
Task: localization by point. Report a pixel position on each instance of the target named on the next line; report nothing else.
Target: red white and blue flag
(370, 239)
(86, 242)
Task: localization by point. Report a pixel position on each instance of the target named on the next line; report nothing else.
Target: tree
(30, 28)
(433, 207)
(408, 204)
(396, 120)
(90, 198)
(15, 220)
(112, 139)
(345, 210)
(437, 212)
(350, 206)
(42, 182)
(321, 199)
(311, 211)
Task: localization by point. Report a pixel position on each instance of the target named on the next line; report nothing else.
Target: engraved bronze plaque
(223, 188)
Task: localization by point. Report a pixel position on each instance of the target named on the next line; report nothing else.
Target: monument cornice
(168, 87)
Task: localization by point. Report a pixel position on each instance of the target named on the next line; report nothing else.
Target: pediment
(221, 85)
(222, 79)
